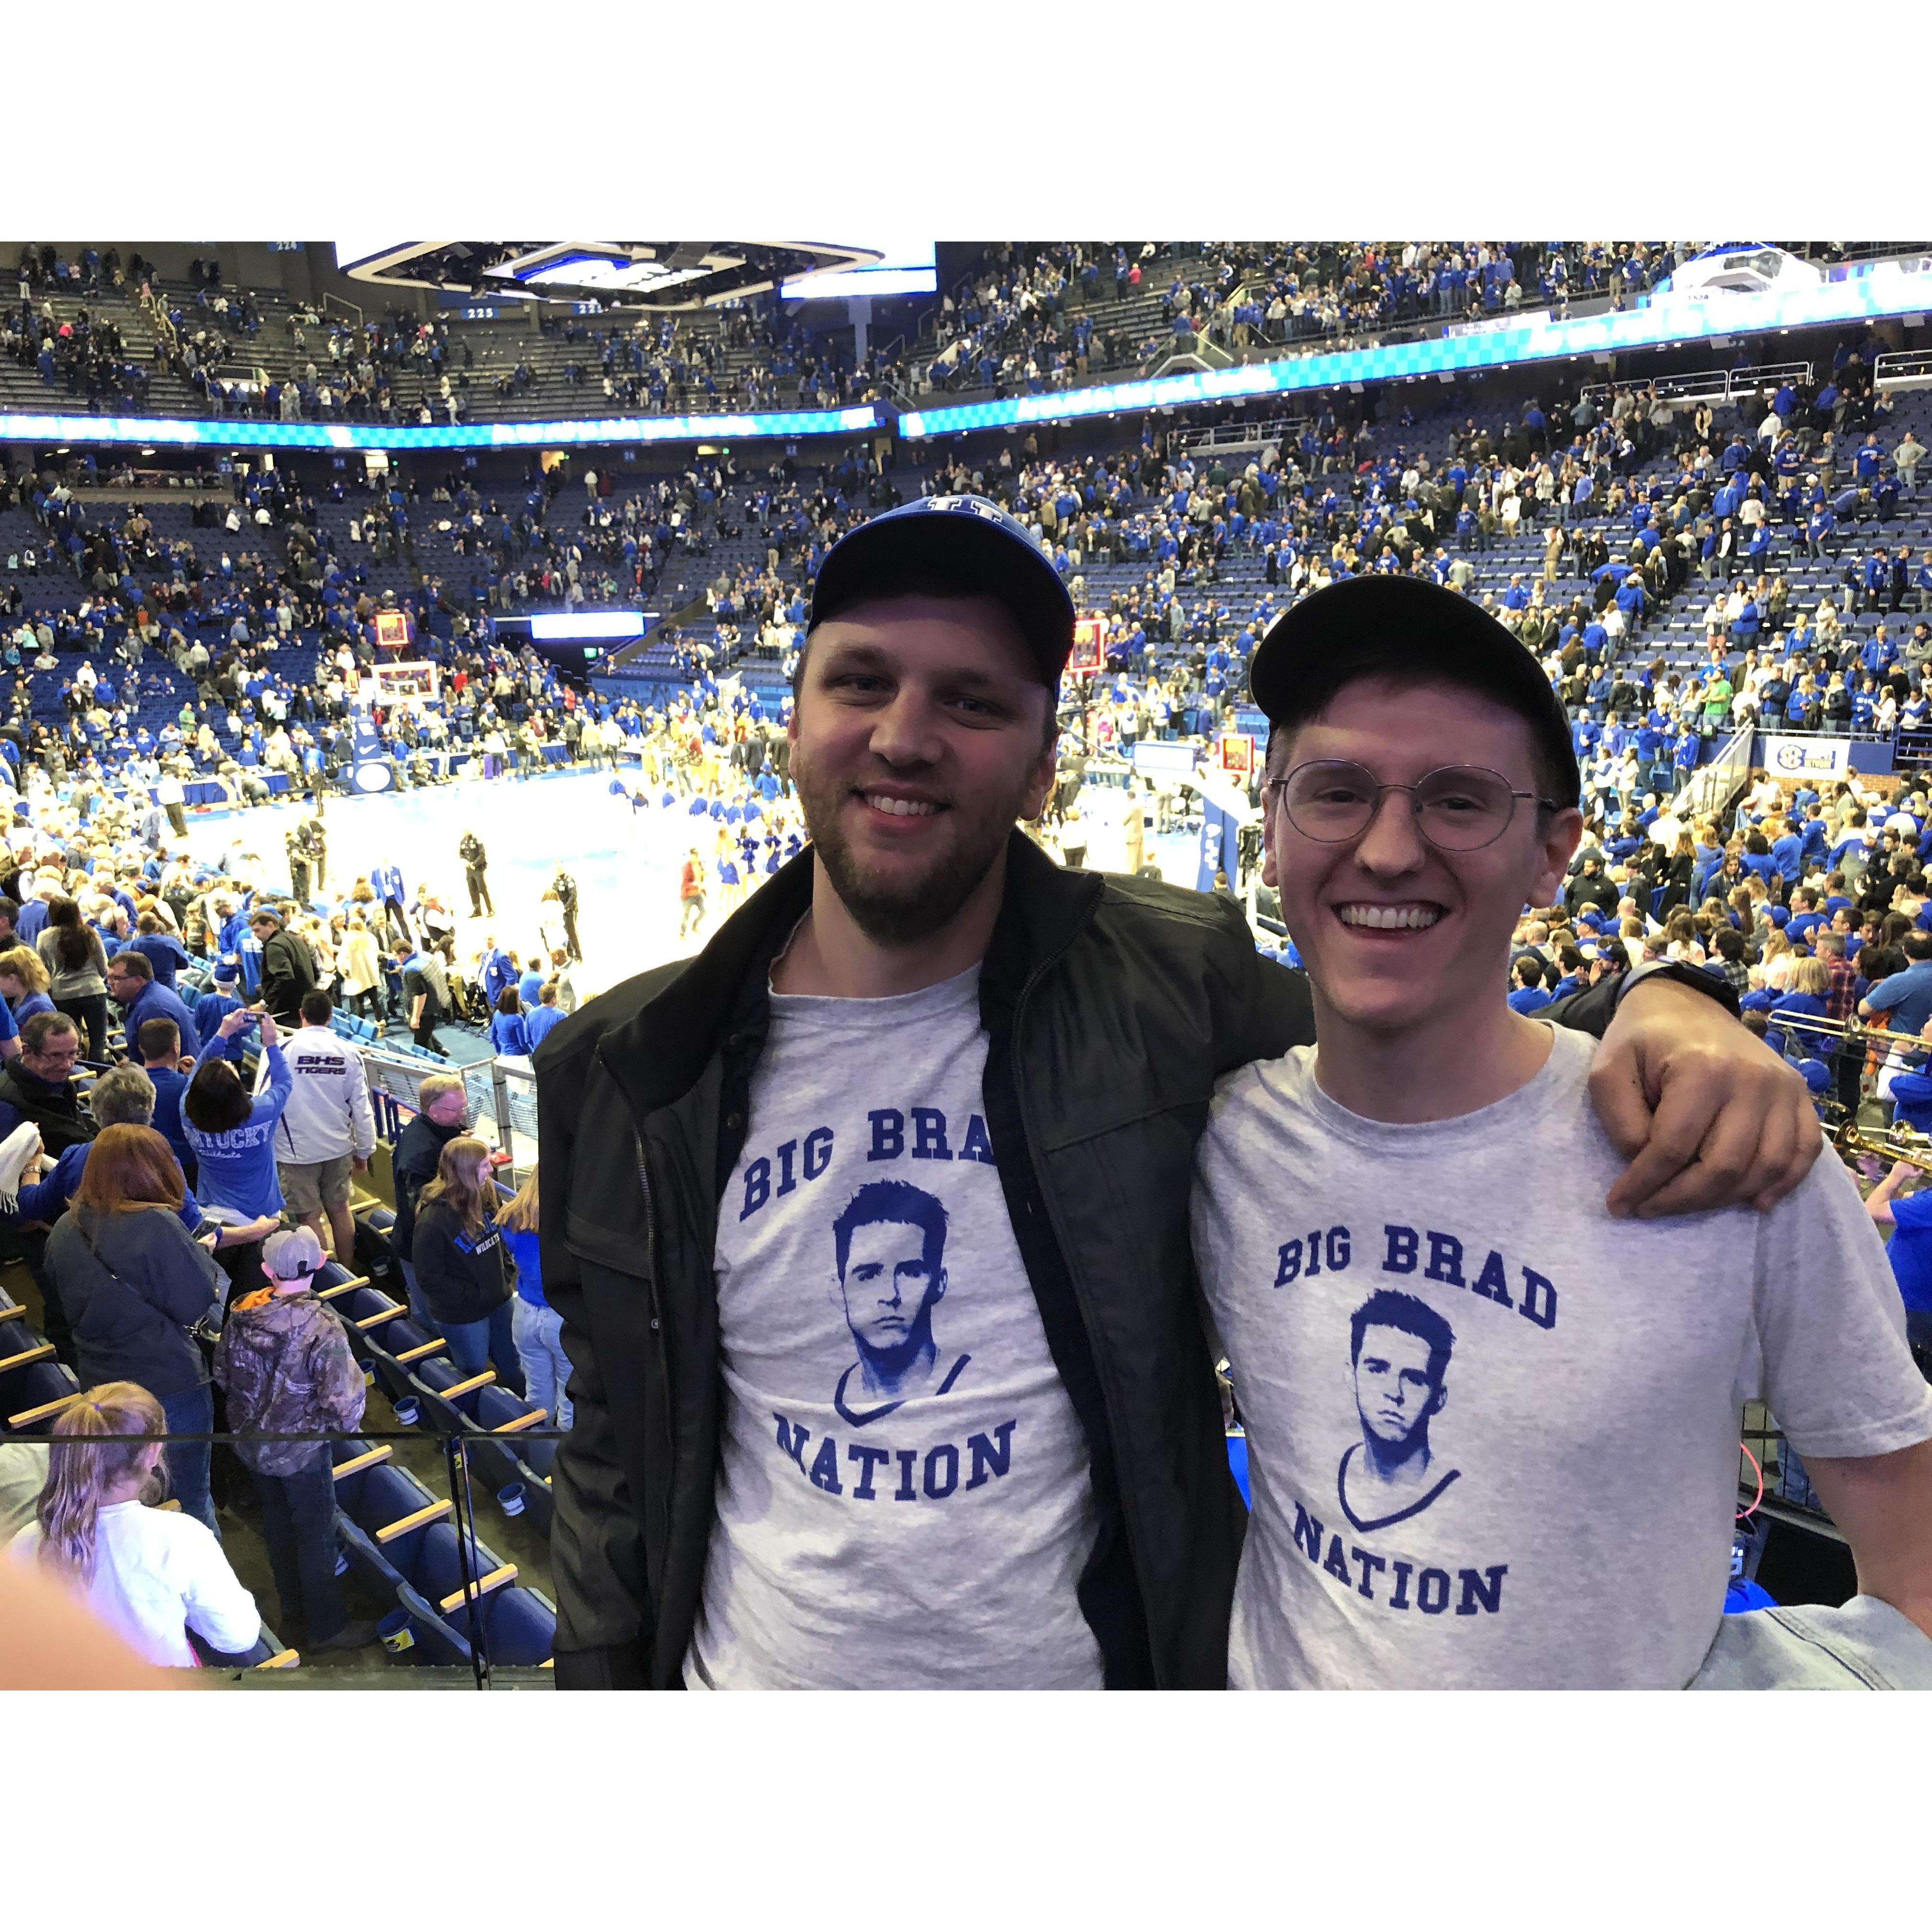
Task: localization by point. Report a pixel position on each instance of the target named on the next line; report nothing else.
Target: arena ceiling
(651, 275)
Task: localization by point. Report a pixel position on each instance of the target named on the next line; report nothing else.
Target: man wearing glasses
(1430, 1175)
(38, 1086)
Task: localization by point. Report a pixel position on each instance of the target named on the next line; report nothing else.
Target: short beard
(902, 914)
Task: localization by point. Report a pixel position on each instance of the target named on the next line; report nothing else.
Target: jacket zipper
(659, 1327)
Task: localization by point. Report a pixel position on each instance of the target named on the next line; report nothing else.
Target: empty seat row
(450, 1593)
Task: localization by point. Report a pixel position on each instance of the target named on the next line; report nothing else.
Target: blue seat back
(39, 1383)
(399, 1337)
(436, 1641)
(387, 1495)
(435, 1374)
(438, 1569)
(365, 1555)
(519, 1626)
(496, 1406)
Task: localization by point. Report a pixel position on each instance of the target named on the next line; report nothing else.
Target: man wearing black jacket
(442, 1110)
(475, 875)
(870, 1235)
(288, 967)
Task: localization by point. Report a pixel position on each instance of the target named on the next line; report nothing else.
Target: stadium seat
(449, 1394)
(435, 1641)
(365, 1312)
(502, 1453)
(372, 1247)
(267, 1651)
(23, 1351)
(519, 1627)
(402, 1346)
(38, 1395)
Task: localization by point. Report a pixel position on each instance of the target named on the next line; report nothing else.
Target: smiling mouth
(1371, 918)
(901, 807)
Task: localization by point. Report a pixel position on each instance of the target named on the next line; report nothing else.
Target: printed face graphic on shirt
(889, 1241)
(1400, 1349)
(1395, 1394)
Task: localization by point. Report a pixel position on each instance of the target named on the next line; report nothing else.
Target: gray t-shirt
(904, 1497)
(1492, 1433)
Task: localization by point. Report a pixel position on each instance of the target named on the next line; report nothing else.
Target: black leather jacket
(1112, 1006)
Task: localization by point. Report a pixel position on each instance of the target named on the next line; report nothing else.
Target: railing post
(456, 1454)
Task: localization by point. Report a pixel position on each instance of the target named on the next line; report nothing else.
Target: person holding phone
(232, 1133)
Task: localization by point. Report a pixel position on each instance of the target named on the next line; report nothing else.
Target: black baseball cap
(967, 544)
(1405, 624)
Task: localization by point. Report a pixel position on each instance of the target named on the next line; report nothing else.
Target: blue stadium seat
(404, 1346)
(365, 1312)
(432, 1378)
(44, 1385)
(26, 1358)
(519, 1627)
(433, 1641)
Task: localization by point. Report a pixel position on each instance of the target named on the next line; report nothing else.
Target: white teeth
(1388, 917)
(902, 807)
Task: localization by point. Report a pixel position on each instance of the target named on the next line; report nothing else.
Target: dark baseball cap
(965, 544)
(1406, 626)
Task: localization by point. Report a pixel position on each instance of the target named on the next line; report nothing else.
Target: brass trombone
(1896, 1144)
(1850, 1030)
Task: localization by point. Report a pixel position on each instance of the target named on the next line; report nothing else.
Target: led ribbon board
(228, 433)
(1891, 288)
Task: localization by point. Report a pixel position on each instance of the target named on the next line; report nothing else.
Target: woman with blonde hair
(537, 1327)
(361, 969)
(462, 1266)
(23, 983)
(150, 1575)
(1809, 983)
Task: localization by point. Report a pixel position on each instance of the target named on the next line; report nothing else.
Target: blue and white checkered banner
(1899, 287)
(239, 433)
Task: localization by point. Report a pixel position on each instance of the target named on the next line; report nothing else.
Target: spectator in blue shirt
(1902, 1002)
(509, 1035)
(213, 1007)
(132, 985)
(233, 1138)
(1909, 1250)
(165, 952)
(544, 1015)
(157, 1047)
(23, 984)
(1529, 994)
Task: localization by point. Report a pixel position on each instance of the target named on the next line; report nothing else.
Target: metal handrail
(1711, 787)
(1709, 386)
(1901, 368)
